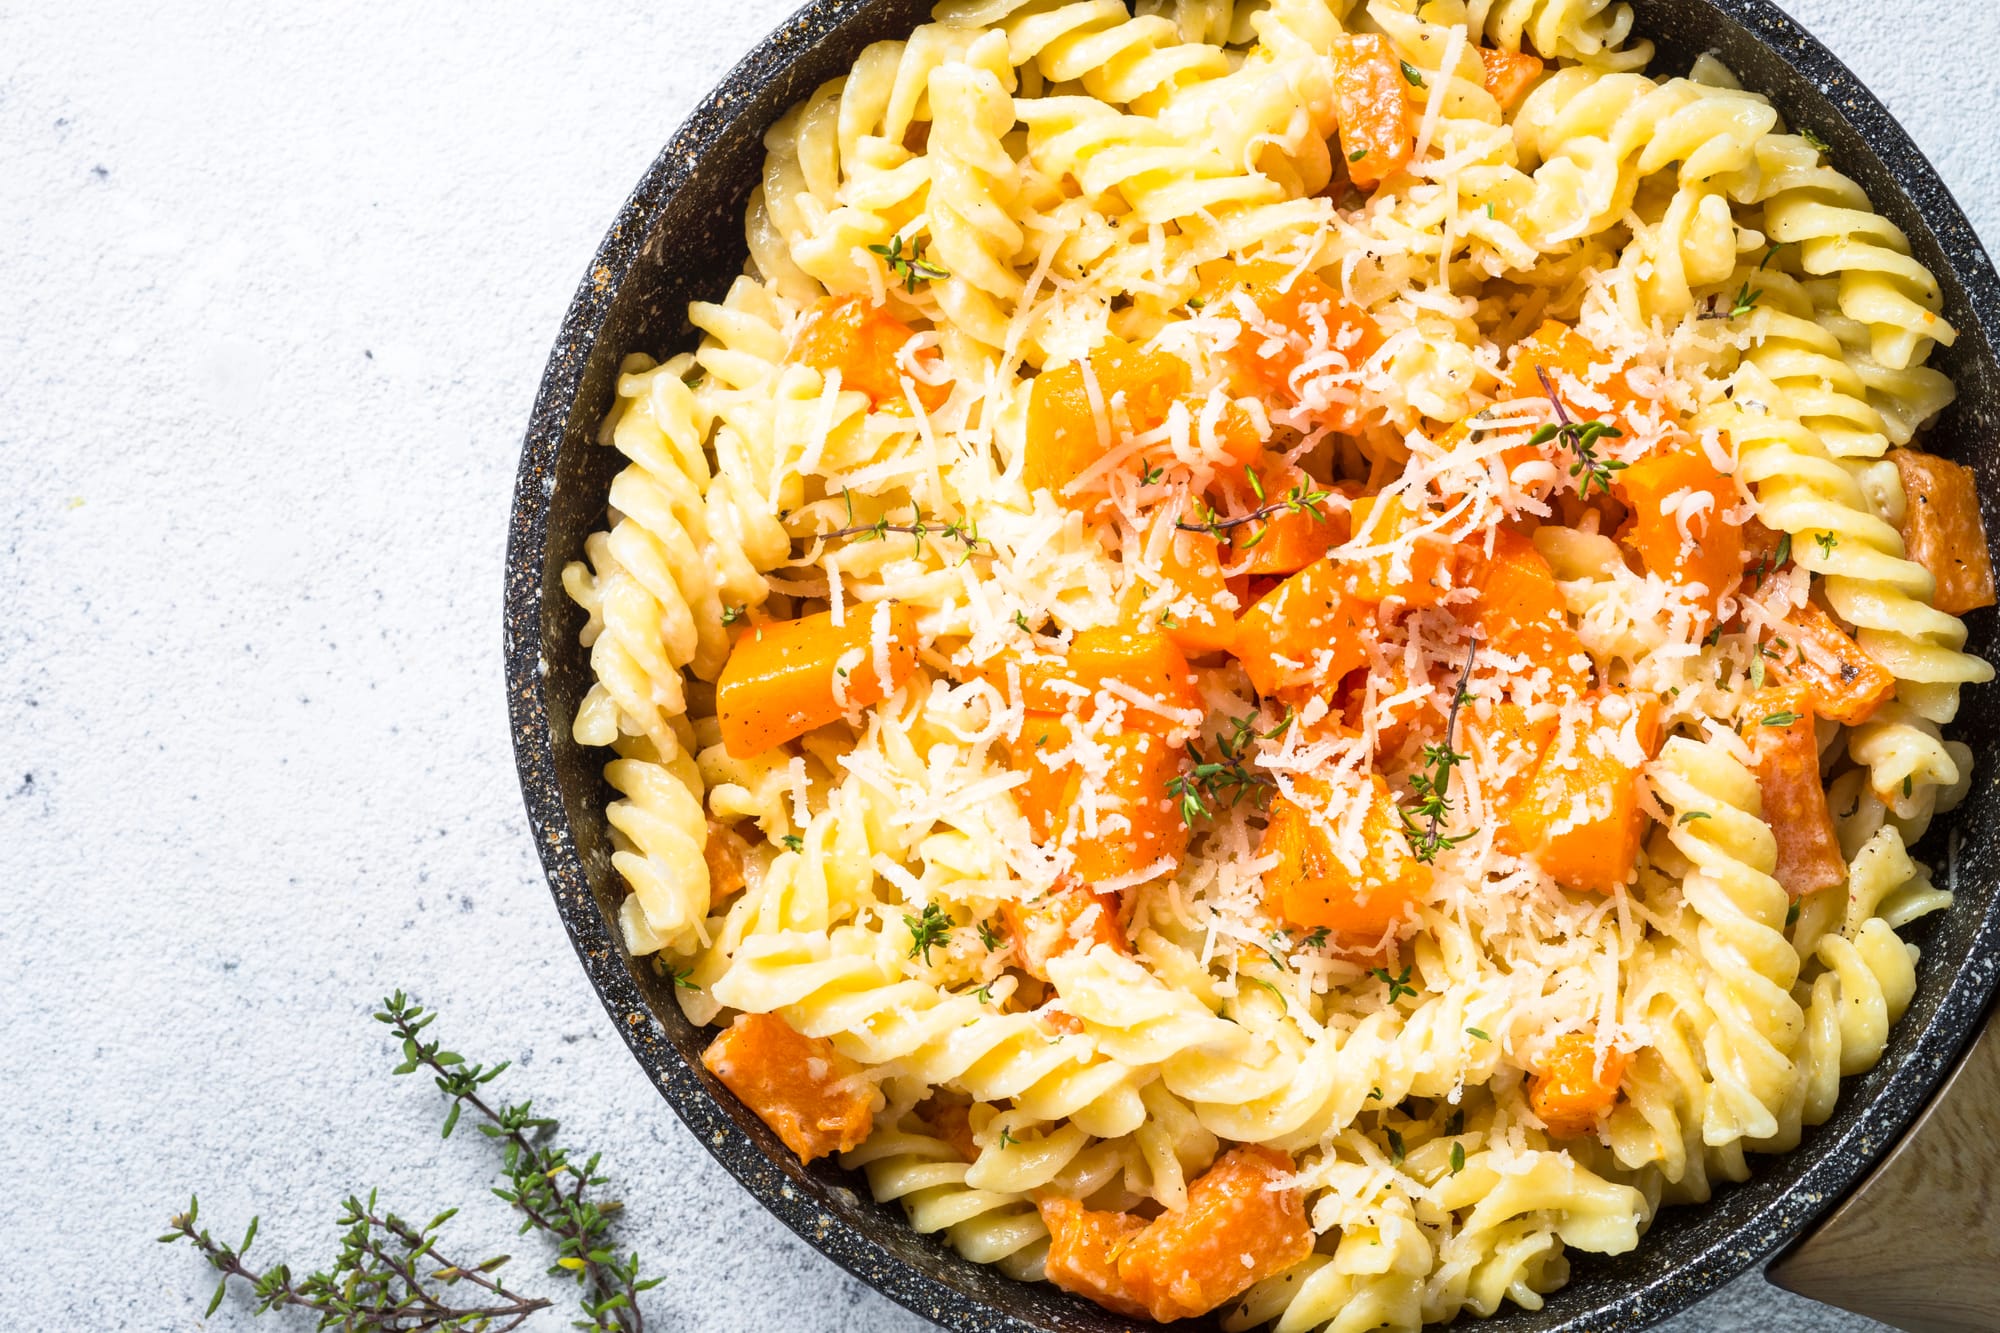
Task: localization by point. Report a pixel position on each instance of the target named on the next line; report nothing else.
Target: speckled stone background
(275, 287)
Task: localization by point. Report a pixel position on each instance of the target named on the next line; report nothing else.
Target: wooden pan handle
(1917, 1244)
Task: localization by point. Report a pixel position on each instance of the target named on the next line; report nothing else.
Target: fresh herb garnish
(912, 268)
(1826, 541)
(1225, 780)
(1784, 719)
(1357, 155)
(989, 937)
(1007, 1140)
(392, 1274)
(794, 841)
(1815, 142)
(1399, 986)
(1479, 1033)
(1395, 1146)
(1411, 74)
(1300, 499)
(927, 931)
(1691, 816)
(964, 530)
(731, 614)
(1433, 785)
(685, 979)
(1457, 1158)
(1580, 438)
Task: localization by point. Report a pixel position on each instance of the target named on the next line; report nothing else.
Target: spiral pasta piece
(928, 1178)
(1749, 964)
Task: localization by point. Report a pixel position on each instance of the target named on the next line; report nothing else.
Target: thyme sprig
(1580, 438)
(1303, 498)
(1746, 297)
(930, 931)
(1432, 786)
(1210, 784)
(912, 268)
(389, 1273)
(920, 526)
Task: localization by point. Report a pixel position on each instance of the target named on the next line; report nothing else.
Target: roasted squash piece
(1240, 1226)
(862, 342)
(1786, 750)
(1845, 683)
(1362, 895)
(785, 678)
(1038, 752)
(1065, 919)
(1509, 74)
(1300, 320)
(1084, 1248)
(1137, 823)
(1069, 429)
(1417, 573)
(1580, 818)
(1520, 614)
(1303, 636)
(813, 1097)
(1679, 525)
(1373, 108)
(1572, 1090)
(1943, 531)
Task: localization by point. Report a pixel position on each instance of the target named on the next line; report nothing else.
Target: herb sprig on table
(392, 1276)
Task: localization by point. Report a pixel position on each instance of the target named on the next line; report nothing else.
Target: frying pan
(680, 238)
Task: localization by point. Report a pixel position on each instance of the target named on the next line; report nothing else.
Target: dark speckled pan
(679, 237)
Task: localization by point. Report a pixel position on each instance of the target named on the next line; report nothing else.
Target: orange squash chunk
(1786, 751)
(1571, 1091)
(1509, 74)
(1521, 614)
(1191, 564)
(1416, 576)
(1066, 434)
(950, 1122)
(1373, 107)
(1573, 366)
(813, 1097)
(1043, 736)
(785, 678)
(1236, 1230)
(1580, 819)
(1845, 683)
(1138, 822)
(1712, 554)
(1284, 542)
(1301, 318)
(1122, 663)
(1506, 740)
(723, 852)
(1305, 634)
(1067, 918)
(1084, 1246)
(862, 342)
(1421, 713)
(1142, 668)
(1943, 531)
(1312, 886)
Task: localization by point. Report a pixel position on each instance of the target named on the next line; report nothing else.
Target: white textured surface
(276, 287)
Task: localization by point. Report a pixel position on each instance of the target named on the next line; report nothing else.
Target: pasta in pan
(1282, 656)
